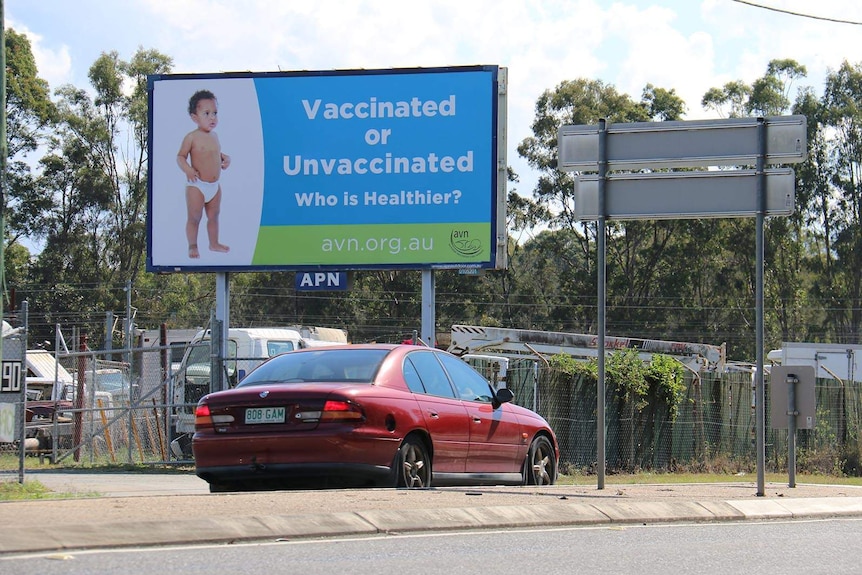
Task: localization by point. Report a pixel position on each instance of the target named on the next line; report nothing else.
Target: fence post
(79, 397)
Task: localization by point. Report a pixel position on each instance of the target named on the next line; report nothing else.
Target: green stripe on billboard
(377, 244)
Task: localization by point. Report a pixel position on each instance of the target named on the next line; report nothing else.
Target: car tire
(540, 468)
(413, 465)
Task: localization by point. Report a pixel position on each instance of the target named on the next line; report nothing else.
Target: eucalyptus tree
(494, 297)
(729, 101)
(769, 95)
(506, 287)
(634, 248)
(816, 208)
(785, 282)
(842, 100)
(29, 116)
(94, 180)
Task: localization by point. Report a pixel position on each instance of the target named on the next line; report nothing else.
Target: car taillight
(336, 410)
(203, 418)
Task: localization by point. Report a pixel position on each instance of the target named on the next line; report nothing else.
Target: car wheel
(540, 467)
(413, 465)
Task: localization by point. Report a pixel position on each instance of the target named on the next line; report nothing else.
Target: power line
(812, 16)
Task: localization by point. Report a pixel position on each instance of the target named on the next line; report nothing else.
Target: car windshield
(347, 365)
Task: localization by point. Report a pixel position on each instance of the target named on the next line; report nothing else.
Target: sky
(689, 46)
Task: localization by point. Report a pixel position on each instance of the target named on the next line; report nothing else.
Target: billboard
(354, 169)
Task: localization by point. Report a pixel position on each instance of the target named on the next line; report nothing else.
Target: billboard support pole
(223, 313)
(428, 303)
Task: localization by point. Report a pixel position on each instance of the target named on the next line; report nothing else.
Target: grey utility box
(801, 379)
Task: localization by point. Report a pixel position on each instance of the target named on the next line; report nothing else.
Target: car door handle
(477, 420)
(434, 414)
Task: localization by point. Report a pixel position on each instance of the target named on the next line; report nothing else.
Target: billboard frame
(493, 146)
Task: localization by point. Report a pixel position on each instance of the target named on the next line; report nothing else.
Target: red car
(369, 414)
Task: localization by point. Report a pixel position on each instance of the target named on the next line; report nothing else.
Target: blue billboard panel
(353, 169)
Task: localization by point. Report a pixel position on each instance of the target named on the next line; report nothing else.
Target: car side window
(431, 374)
(470, 384)
(411, 377)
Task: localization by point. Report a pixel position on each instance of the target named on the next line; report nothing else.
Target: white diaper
(208, 189)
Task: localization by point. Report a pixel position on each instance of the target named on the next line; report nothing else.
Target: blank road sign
(683, 144)
(803, 380)
(678, 195)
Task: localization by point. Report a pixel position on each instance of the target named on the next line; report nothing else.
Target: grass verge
(14, 491)
(682, 478)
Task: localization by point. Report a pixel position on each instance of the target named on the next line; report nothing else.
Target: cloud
(685, 45)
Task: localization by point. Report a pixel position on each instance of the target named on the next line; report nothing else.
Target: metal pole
(217, 357)
(429, 320)
(25, 315)
(791, 381)
(759, 395)
(109, 331)
(3, 152)
(55, 391)
(601, 250)
(128, 334)
(222, 316)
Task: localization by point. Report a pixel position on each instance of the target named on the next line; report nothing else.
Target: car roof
(398, 348)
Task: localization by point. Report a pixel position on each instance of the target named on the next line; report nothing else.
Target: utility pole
(3, 149)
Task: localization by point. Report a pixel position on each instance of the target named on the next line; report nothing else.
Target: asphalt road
(812, 547)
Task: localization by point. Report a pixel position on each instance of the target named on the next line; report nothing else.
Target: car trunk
(270, 408)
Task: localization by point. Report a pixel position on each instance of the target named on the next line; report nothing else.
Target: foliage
(568, 365)
(77, 179)
(664, 376)
(92, 189)
(638, 383)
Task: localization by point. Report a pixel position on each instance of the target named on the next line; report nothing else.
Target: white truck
(175, 342)
(246, 349)
(523, 344)
(841, 361)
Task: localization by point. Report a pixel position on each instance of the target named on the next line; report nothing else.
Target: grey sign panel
(683, 144)
(677, 195)
(801, 377)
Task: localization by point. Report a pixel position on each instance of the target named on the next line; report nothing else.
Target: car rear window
(338, 365)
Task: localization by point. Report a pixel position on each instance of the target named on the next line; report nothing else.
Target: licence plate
(264, 415)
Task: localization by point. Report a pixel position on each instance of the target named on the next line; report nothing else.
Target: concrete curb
(392, 521)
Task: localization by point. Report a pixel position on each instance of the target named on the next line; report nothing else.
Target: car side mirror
(503, 395)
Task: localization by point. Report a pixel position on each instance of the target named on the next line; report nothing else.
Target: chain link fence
(119, 407)
(103, 407)
(714, 429)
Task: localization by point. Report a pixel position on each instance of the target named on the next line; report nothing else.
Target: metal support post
(217, 382)
(792, 412)
(219, 334)
(759, 394)
(22, 421)
(601, 249)
(429, 320)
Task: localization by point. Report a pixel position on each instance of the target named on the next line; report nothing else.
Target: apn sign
(321, 281)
